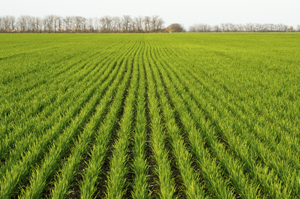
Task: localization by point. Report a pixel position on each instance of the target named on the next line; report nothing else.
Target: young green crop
(160, 153)
(182, 156)
(81, 147)
(116, 186)
(57, 152)
(100, 149)
(150, 115)
(51, 111)
(139, 167)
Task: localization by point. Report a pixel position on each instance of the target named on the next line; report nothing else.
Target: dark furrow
(261, 153)
(216, 129)
(102, 185)
(47, 193)
(50, 114)
(83, 165)
(194, 164)
(62, 71)
(42, 82)
(99, 76)
(219, 138)
(89, 97)
(130, 175)
(152, 178)
(179, 192)
(224, 87)
(60, 81)
(184, 135)
(154, 186)
(177, 118)
(26, 183)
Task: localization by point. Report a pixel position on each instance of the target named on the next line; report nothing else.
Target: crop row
(147, 116)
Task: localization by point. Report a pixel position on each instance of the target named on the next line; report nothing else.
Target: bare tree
(32, 24)
(147, 21)
(68, 23)
(6, 23)
(97, 24)
(216, 28)
(154, 21)
(108, 23)
(227, 27)
(232, 27)
(132, 26)
(116, 24)
(84, 24)
(138, 23)
(249, 27)
(126, 22)
(282, 28)
(38, 24)
(78, 23)
(222, 26)
(159, 25)
(48, 23)
(1, 26)
(102, 24)
(12, 20)
(271, 27)
(291, 29)
(44, 26)
(22, 22)
(60, 23)
(90, 25)
(57, 23)
(201, 28)
(240, 27)
(119, 22)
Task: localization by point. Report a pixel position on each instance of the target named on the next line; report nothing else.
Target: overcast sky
(186, 12)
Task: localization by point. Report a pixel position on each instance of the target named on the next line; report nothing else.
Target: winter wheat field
(150, 115)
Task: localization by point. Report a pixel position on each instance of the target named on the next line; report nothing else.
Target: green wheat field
(150, 115)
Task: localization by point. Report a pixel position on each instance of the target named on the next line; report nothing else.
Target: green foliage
(149, 115)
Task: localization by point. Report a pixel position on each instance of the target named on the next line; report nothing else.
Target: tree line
(124, 24)
(78, 24)
(249, 27)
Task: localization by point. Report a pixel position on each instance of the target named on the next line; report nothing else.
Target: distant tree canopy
(124, 24)
(249, 27)
(78, 24)
(175, 27)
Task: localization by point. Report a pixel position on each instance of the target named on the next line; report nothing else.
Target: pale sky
(186, 12)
